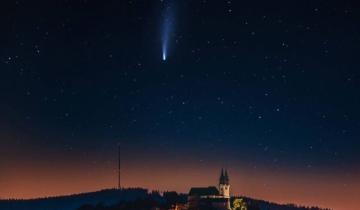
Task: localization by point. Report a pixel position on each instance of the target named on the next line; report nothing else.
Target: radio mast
(119, 169)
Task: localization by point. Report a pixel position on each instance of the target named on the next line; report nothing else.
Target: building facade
(211, 197)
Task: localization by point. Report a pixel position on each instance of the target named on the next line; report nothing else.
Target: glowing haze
(37, 179)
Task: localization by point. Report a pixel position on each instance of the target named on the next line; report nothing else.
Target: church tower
(224, 185)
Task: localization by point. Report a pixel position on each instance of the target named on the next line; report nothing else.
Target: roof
(204, 191)
(224, 177)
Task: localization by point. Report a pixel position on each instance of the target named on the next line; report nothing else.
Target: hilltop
(113, 199)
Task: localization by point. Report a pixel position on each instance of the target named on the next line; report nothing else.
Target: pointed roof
(224, 177)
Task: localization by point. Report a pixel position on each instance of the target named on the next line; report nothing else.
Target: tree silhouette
(239, 204)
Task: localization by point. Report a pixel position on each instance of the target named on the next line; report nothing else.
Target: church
(211, 197)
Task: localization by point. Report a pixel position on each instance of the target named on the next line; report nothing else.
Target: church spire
(223, 177)
(224, 184)
(226, 177)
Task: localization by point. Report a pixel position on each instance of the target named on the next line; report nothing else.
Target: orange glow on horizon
(338, 193)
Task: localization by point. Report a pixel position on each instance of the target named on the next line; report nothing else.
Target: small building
(211, 197)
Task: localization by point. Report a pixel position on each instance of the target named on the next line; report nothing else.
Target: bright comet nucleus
(164, 56)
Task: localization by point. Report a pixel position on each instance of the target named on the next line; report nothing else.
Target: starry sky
(269, 90)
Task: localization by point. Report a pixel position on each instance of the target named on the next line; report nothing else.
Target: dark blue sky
(270, 84)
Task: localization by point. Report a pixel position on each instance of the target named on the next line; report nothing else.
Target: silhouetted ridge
(125, 199)
(71, 202)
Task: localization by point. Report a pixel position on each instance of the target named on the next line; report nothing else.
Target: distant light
(164, 57)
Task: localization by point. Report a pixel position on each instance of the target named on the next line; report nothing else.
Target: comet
(167, 28)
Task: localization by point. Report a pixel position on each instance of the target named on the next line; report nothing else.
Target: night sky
(269, 90)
